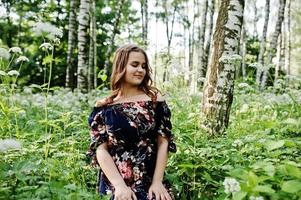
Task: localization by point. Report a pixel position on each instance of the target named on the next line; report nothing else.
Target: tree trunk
(242, 51)
(278, 56)
(70, 70)
(288, 43)
(83, 46)
(144, 21)
(92, 66)
(115, 30)
(259, 71)
(191, 42)
(273, 45)
(201, 39)
(219, 86)
(256, 18)
(169, 34)
(210, 30)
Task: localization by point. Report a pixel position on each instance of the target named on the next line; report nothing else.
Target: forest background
(240, 140)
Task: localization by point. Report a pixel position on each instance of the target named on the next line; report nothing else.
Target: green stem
(11, 60)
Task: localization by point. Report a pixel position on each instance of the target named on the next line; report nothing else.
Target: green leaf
(271, 145)
(292, 186)
(252, 179)
(239, 195)
(264, 189)
(47, 59)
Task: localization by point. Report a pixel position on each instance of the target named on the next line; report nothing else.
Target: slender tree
(169, 21)
(209, 34)
(219, 85)
(259, 71)
(273, 44)
(201, 40)
(71, 68)
(83, 46)
(144, 20)
(92, 48)
(288, 47)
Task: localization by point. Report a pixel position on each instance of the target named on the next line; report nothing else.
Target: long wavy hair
(120, 61)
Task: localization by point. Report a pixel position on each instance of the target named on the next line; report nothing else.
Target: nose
(140, 68)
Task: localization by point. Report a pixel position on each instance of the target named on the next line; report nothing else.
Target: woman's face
(135, 69)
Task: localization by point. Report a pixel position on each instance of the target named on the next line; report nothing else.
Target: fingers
(150, 195)
(134, 196)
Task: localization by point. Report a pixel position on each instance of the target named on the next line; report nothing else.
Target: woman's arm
(157, 187)
(122, 191)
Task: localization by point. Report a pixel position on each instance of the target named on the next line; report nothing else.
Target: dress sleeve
(164, 126)
(98, 133)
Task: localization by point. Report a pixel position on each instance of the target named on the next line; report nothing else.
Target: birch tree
(83, 45)
(211, 10)
(92, 76)
(170, 9)
(219, 85)
(201, 40)
(144, 20)
(259, 71)
(288, 47)
(71, 67)
(273, 44)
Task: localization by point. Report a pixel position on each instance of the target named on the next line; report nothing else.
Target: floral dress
(130, 130)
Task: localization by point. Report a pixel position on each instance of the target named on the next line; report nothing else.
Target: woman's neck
(127, 92)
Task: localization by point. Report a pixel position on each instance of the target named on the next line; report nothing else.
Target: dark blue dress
(130, 130)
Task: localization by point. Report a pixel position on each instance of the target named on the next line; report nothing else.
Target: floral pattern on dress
(130, 130)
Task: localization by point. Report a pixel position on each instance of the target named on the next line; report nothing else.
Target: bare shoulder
(102, 102)
(160, 97)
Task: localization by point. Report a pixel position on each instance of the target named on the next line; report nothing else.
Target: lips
(140, 77)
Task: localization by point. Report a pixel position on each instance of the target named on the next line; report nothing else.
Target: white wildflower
(3, 73)
(4, 53)
(106, 10)
(256, 198)
(46, 46)
(13, 73)
(15, 50)
(22, 59)
(47, 29)
(244, 108)
(237, 143)
(231, 185)
(7, 144)
(2, 12)
(27, 90)
(243, 85)
(56, 41)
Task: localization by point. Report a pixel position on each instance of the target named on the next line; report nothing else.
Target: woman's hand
(123, 192)
(159, 190)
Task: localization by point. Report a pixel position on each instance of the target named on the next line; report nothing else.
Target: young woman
(131, 132)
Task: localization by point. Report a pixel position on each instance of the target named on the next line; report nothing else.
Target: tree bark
(242, 51)
(201, 40)
(169, 33)
(259, 71)
(144, 21)
(219, 86)
(92, 48)
(71, 68)
(273, 45)
(288, 47)
(83, 46)
(210, 30)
